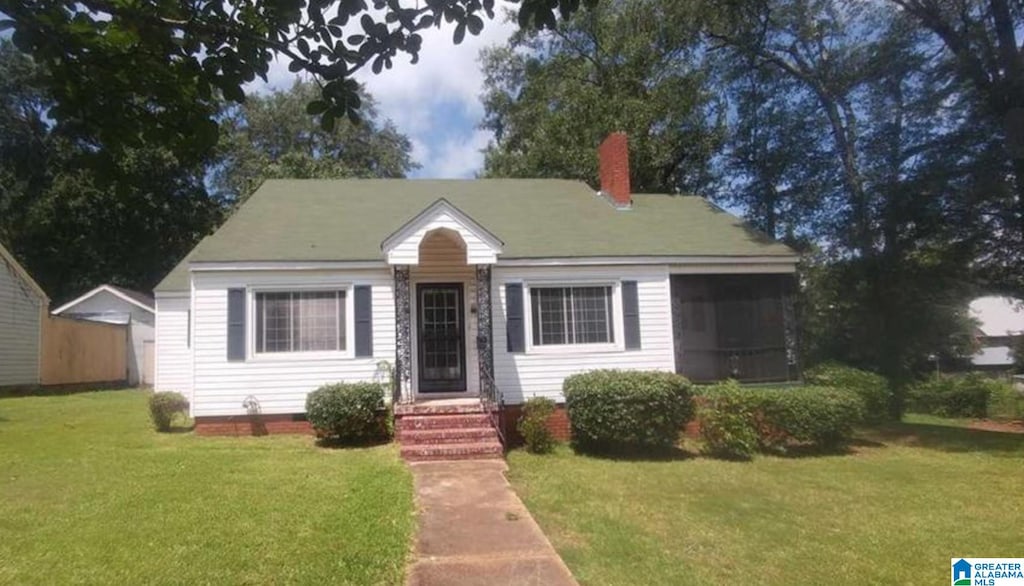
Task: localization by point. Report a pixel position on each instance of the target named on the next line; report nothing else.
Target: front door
(442, 339)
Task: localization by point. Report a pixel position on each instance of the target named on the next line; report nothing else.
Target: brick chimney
(613, 167)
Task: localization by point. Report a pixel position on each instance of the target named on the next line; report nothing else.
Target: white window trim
(618, 325)
(250, 329)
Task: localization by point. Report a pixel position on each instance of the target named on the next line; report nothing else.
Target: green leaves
(616, 410)
(297, 133)
(125, 70)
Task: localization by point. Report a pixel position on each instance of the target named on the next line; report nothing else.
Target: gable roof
(348, 219)
(134, 297)
(19, 270)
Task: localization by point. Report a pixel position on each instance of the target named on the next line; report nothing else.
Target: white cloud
(436, 101)
(459, 157)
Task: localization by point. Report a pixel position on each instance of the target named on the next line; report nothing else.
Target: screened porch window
(732, 326)
(300, 321)
(571, 315)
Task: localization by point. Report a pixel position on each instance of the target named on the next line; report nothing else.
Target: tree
(985, 39)
(845, 131)
(75, 215)
(551, 96)
(272, 136)
(134, 73)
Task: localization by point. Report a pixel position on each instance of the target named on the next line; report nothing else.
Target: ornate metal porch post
(403, 336)
(485, 353)
(791, 327)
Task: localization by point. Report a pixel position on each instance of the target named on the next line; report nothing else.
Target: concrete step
(428, 409)
(410, 437)
(447, 421)
(462, 451)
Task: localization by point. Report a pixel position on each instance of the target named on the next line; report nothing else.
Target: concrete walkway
(474, 530)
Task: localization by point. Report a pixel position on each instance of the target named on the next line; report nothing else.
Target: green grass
(90, 494)
(908, 498)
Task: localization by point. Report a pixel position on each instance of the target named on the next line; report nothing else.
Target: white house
(23, 306)
(1000, 323)
(117, 305)
(489, 290)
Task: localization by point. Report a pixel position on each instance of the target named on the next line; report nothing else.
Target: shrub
(1005, 402)
(727, 425)
(533, 425)
(774, 417)
(164, 406)
(872, 388)
(349, 412)
(966, 395)
(611, 410)
(820, 415)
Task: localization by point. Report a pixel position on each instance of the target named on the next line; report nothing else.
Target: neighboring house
(1000, 326)
(117, 305)
(23, 306)
(497, 288)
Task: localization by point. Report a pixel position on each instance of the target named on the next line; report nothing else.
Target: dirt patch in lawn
(992, 425)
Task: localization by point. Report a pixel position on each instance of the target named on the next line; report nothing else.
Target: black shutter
(236, 324)
(364, 320)
(514, 326)
(631, 315)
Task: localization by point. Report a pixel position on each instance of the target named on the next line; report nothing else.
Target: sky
(436, 102)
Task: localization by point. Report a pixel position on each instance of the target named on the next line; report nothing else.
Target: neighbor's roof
(998, 316)
(993, 356)
(19, 270)
(347, 219)
(134, 297)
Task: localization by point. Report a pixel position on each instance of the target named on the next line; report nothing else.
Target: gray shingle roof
(346, 220)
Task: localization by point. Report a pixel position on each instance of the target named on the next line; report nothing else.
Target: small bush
(775, 417)
(872, 388)
(349, 412)
(969, 395)
(950, 396)
(727, 425)
(611, 410)
(164, 406)
(1006, 402)
(819, 415)
(533, 425)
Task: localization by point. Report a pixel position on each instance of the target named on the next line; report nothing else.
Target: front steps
(446, 431)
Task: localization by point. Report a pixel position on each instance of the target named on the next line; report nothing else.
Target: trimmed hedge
(612, 410)
(349, 412)
(164, 406)
(533, 425)
(731, 414)
(872, 388)
(969, 395)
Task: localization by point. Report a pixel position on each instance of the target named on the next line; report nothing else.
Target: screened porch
(734, 326)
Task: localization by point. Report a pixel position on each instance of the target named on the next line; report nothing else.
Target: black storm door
(442, 338)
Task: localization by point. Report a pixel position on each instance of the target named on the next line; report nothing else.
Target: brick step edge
(446, 435)
(467, 451)
(404, 410)
(442, 421)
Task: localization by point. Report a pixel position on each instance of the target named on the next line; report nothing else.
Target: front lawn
(894, 511)
(90, 494)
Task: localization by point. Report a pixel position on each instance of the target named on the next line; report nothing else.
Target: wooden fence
(76, 351)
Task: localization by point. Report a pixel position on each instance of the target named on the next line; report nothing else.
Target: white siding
(20, 313)
(407, 251)
(106, 303)
(540, 371)
(442, 260)
(279, 383)
(173, 355)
